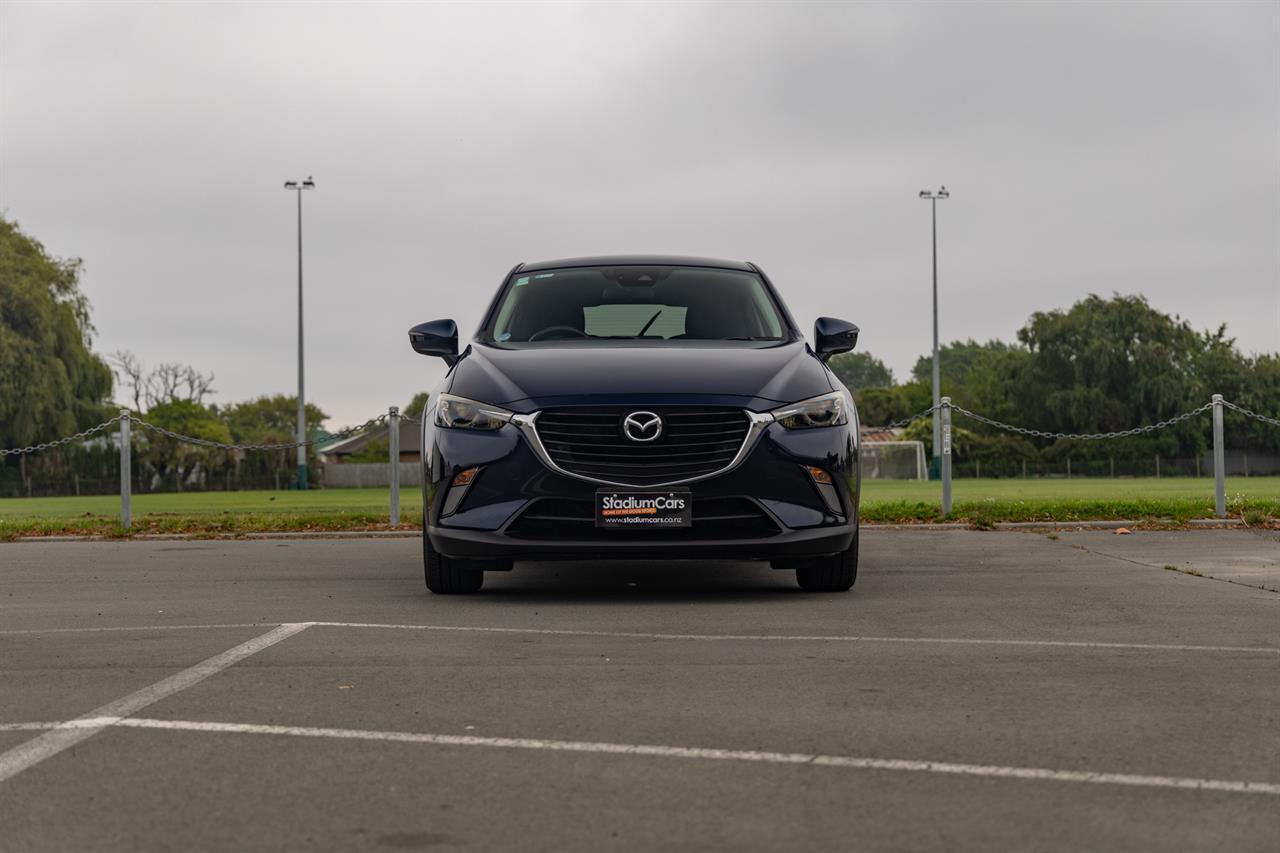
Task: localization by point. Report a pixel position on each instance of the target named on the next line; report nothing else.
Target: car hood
(729, 374)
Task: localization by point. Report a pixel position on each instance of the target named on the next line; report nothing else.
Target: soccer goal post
(893, 460)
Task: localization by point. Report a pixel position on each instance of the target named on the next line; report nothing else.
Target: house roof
(410, 440)
(874, 434)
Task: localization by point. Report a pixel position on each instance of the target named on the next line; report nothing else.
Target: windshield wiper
(645, 328)
(754, 338)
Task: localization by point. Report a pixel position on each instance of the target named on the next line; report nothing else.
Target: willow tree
(51, 384)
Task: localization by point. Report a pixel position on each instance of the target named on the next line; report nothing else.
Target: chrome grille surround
(528, 425)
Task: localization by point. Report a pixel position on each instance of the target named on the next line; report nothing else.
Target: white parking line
(59, 736)
(70, 733)
(705, 754)
(963, 641)
(115, 628)
(640, 635)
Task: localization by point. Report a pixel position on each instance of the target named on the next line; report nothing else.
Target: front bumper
(482, 544)
(766, 507)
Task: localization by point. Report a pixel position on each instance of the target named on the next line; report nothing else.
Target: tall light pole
(937, 379)
(298, 187)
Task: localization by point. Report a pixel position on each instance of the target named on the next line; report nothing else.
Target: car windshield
(636, 303)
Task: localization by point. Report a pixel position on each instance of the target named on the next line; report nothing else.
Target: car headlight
(827, 410)
(460, 413)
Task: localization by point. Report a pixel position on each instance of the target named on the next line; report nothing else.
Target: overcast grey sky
(1089, 147)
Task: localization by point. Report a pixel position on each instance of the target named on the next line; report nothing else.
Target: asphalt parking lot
(974, 691)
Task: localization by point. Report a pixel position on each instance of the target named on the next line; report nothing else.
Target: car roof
(636, 261)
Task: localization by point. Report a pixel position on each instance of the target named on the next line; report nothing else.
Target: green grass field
(1162, 500)
(1077, 489)
(980, 502)
(317, 502)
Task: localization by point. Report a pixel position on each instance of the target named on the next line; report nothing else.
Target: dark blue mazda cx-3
(639, 407)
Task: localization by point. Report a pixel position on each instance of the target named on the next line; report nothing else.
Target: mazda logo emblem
(642, 426)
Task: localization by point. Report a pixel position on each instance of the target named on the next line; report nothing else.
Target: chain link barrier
(203, 442)
(58, 442)
(1251, 414)
(285, 445)
(380, 420)
(125, 419)
(1090, 436)
(904, 421)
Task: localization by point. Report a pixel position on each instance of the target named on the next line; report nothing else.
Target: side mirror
(832, 337)
(439, 337)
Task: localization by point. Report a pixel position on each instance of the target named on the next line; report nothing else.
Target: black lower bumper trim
(793, 543)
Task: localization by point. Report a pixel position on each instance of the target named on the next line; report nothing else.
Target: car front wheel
(446, 576)
(835, 573)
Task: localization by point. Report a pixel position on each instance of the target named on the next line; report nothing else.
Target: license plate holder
(644, 509)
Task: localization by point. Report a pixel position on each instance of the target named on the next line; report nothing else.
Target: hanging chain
(904, 421)
(1092, 436)
(284, 445)
(203, 442)
(1251, 414)
(382, 419)
(49, 445)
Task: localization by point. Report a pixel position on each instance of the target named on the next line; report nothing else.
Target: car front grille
(695, 442)
(574, 519)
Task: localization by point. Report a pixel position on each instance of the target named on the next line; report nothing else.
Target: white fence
(369, 475)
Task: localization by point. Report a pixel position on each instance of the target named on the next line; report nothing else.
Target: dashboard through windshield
(637, 303)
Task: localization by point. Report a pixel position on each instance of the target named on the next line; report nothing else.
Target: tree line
(1102, 365)
(52, 384)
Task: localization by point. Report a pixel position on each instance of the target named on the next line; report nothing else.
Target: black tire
(446, 576)
(835, 573)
